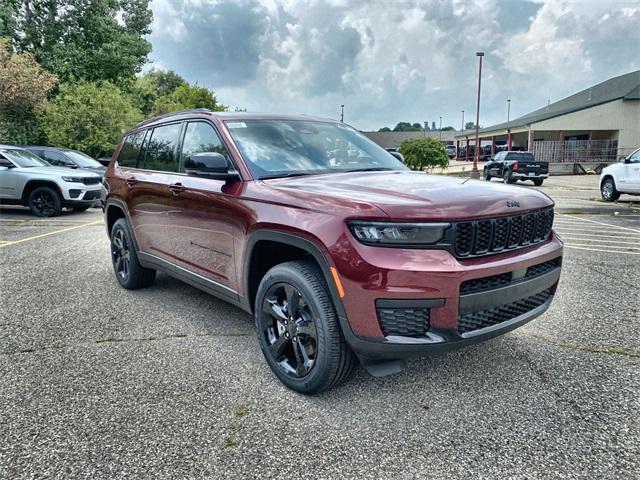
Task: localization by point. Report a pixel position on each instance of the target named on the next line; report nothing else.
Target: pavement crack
(102, 341)
(611, 277)
(580, 348)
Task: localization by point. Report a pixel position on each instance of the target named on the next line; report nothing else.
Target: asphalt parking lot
(168, 382)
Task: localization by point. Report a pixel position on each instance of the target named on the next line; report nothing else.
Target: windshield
(24, 158)
(278, 148)
(82, 159)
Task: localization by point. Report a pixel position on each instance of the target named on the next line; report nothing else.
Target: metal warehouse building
(593, 126)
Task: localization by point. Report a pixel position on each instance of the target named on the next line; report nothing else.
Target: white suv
(26, 179)
(621, 177)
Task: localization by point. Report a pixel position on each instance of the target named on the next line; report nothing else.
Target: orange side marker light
(336, 278)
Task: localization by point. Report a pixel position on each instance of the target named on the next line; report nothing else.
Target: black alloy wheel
(44, 202)
(288, 325)
(121, 255)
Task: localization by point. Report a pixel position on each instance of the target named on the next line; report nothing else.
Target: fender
(117, 202)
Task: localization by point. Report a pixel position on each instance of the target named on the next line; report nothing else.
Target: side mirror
(622, 159)
(209, 164)
(70, 165)
(398, 155)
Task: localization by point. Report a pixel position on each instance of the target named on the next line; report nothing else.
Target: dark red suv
(336, 248)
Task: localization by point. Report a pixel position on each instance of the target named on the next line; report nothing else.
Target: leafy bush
(89, 116)
(424, 152)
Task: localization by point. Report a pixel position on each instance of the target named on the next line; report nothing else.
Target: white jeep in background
(621, 177)
(26, 179)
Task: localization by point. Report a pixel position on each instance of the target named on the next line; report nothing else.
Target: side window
(160, 151)
(201, 137)
(130, 150)
(635, 157)
(55, 158)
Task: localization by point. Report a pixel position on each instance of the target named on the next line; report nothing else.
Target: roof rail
(171, 114)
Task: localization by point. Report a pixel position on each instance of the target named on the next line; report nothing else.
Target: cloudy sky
(395, 60)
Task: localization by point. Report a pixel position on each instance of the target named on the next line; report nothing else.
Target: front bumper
(455, 318)
(81, 195)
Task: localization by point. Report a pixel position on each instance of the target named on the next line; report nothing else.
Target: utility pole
(508, 126)
(440, 128)
(342, 113)
(462, 125)
(476, 156)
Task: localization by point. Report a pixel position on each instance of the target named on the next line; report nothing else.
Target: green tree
(185, 97)
(424, 152)
(24, 86)
(469, 126)
(407, 127)
(80, 39)
(89, 116)
(384, 129)
(448, 129)
(153, 85)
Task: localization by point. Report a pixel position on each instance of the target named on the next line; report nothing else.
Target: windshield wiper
(284, 175)
(370, 169)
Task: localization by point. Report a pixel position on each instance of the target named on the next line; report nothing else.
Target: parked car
(339, 253)
(104, 161)
(26, 179)
(463, 152)
(621, 177)
(65, 157)
(515, 165)
(451, 150)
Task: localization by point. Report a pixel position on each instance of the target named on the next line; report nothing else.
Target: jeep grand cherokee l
(337, 249)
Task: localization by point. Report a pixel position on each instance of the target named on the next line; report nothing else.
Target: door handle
(131, 181)
(176, 188)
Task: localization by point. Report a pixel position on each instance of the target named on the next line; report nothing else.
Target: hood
(60, 171)
(415, 195)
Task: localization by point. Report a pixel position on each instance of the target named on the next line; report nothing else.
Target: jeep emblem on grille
(513, 204)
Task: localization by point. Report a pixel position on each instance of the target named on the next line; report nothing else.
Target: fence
(576, 151)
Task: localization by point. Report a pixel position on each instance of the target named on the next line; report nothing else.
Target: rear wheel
(608, 190)
(129, 273)
(506, 175)
(44, 202)
(298, 331)
(538, 181)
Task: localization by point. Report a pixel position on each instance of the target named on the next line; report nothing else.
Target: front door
(203, 214)
(632, 173)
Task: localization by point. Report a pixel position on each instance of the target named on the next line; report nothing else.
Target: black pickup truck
(513, 166)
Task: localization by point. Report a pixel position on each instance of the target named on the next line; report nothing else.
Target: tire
(487, 175)
(538, 181)
(506, 175)
(81, 209)
(608, 190)
(309, 355)
(44, 202)
(126, 266)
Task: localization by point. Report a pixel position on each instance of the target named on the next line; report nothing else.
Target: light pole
(342, 113)
(476, 153)
(440, 128)
(508, 127)
(462, 124)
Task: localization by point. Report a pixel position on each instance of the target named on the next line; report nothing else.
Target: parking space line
(583, 233)
(600, 223)
(22, 240)
(579, 247)
(599, 240)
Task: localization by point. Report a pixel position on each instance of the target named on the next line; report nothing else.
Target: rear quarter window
(130, 150)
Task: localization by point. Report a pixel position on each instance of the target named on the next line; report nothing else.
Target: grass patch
(241, 411)
(231, 441)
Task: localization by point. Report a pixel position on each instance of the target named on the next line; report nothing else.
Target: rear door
(152, 199)
(204, 214)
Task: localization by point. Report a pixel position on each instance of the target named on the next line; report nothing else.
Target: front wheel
(538, 182)
(44, 202)
(608, 191)
(487, 175)
(298, 330)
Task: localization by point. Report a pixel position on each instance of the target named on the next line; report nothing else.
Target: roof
(625, 87)
(393, 139)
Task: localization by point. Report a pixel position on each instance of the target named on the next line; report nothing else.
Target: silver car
(26, 179)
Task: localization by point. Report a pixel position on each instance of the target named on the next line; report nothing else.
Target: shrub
(424, 152)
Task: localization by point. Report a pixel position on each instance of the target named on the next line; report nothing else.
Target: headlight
(399, 234)
(72, 179)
